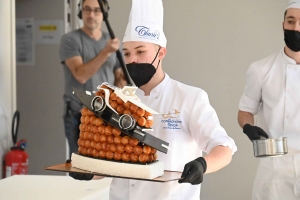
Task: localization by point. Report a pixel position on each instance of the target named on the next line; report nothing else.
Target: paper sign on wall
(48, 31)
(24, 42)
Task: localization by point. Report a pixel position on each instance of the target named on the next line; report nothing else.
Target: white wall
(7, 75)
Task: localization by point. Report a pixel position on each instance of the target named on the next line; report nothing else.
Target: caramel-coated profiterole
(114, 138)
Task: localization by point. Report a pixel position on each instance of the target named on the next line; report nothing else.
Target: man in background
(89, 59)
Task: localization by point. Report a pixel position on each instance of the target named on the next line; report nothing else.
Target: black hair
(105, 3)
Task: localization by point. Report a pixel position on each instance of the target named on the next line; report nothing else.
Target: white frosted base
(148, 171)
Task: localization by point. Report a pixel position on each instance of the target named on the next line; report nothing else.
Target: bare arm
(219, 157)
(120, 80)
(84, 71)
(245, 118)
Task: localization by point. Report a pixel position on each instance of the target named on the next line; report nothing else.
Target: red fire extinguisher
(16, 160)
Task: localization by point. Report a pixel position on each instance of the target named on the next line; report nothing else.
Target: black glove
(193, 171)
(78, 176)
(254, 132)
(81, 177)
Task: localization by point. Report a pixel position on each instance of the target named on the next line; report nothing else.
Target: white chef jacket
(190, 125)
(272, 92)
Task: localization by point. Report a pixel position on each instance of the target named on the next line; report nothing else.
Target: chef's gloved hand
(254, 132)
(193, 171)
(81, 177)
(78, 176)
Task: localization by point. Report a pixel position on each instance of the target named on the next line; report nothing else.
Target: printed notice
(48, 31)
(24, 42)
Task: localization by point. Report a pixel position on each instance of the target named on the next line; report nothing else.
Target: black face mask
(292, 39)
(141, 73)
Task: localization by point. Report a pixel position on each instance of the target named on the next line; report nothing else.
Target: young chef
(272, 93)
(187, 120)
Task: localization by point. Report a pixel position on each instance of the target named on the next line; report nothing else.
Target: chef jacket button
(156, 97)
(286, 117)
(132, 185)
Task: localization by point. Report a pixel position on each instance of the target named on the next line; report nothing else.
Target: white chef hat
(293, 4)
(146, 22)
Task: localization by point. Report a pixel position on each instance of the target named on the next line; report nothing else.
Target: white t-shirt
(190, 125)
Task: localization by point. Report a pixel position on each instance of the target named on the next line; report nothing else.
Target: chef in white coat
(187, 120)
(272, 92)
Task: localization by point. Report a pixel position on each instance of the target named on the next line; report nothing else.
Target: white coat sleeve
(205, 127)
(251, 98)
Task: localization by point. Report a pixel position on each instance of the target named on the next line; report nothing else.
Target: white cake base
(148, 171)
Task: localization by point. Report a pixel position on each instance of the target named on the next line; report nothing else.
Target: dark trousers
(71, 125)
